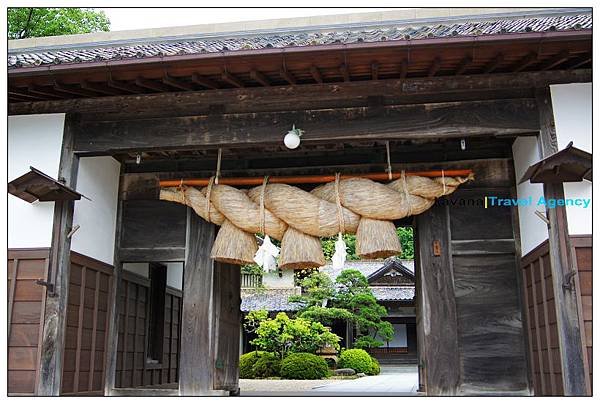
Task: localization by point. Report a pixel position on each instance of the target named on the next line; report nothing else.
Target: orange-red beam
(311, 179)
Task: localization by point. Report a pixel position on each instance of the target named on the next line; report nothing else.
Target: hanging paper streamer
(339, 256)
(266, 255)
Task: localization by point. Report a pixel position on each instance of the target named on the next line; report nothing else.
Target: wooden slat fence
(25, 320)
(87, 326)
(132, 368)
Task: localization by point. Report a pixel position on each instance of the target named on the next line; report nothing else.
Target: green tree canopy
(283, 335)
(349, 299)
(30, 22)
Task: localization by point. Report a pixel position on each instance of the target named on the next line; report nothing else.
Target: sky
(131, 18)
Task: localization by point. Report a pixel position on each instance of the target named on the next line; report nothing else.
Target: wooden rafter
(152, 85)
(119, 85)
(33, 89)
(231, 79)
(203, 81)
(580, 61)
(525, 62)
(179, 84)
(259, 78)
(434, 67)
(86, 85)
(494, 63)
(287, 76)
(463, 65)
(74, 90)
(556, 60)
(316, 74)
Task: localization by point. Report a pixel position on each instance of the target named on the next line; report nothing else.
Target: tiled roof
(364, 267)
(232, 43)
(394, 293)
(269, 299)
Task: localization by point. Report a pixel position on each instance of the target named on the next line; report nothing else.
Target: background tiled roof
(301, 39)
(269, 299)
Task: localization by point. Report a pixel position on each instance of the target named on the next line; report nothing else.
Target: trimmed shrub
(267, 365)
(247, 362)
(357, 359)
(375, 369)
(305, 366)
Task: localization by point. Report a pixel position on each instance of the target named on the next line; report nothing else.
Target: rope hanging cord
(218, 172)
(389, 161)
(338, 202)
(208, 192)
(262, 204)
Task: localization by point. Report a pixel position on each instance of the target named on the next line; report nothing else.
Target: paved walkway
(393, 381)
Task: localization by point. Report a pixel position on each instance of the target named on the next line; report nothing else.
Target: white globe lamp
(292, 138)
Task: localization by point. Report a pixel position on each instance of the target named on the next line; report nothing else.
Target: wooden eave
(298, 66)
(35, 185)
(568, 165)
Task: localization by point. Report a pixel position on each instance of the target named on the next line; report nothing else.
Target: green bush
(375, 369)
(357, 359)
(304, 366)
(247, 362)
(267, 365)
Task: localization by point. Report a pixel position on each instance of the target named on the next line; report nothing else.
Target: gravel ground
(248, 385)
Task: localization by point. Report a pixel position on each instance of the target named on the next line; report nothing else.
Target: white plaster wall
(174, 274)
(272, 280)
(532, 229)
(33, 140)
(97, 179)
(572, 105)
(139, 268)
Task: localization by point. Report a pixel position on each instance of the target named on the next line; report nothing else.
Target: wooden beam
(231, 79)
(123, 86)
(463, 65)
(565, 298)
(205, 82)
(555, 60)
(55, 313)
(316, 74)
(20, 93)
(374, 71)
(434, 67)
(259, 78)
(152, 85)
(280, 95)
(197, 359)
(345, 73)
(528, 60)
(98, 88)
(403, 68)
(438, 326)
(287, 76)
(502, 117)
(493, 64)
(179, 84)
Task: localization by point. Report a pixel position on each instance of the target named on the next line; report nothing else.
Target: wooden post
(55, 313)
(110, 365)
(197, 359)
(437, 307)
(565, 290)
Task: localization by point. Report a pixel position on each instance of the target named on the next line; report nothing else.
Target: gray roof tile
(302, 39)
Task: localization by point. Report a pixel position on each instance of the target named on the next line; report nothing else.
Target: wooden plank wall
(469, 312)
(544, 354)
(488, 308)
(86, 326)
(132, 370)
(25, 320)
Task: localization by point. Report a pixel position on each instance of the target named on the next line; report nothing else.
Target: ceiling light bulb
(292, 138)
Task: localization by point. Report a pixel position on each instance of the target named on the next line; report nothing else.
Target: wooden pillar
(565, 290)
(197, 359)
(438, 353)
(55, 313)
